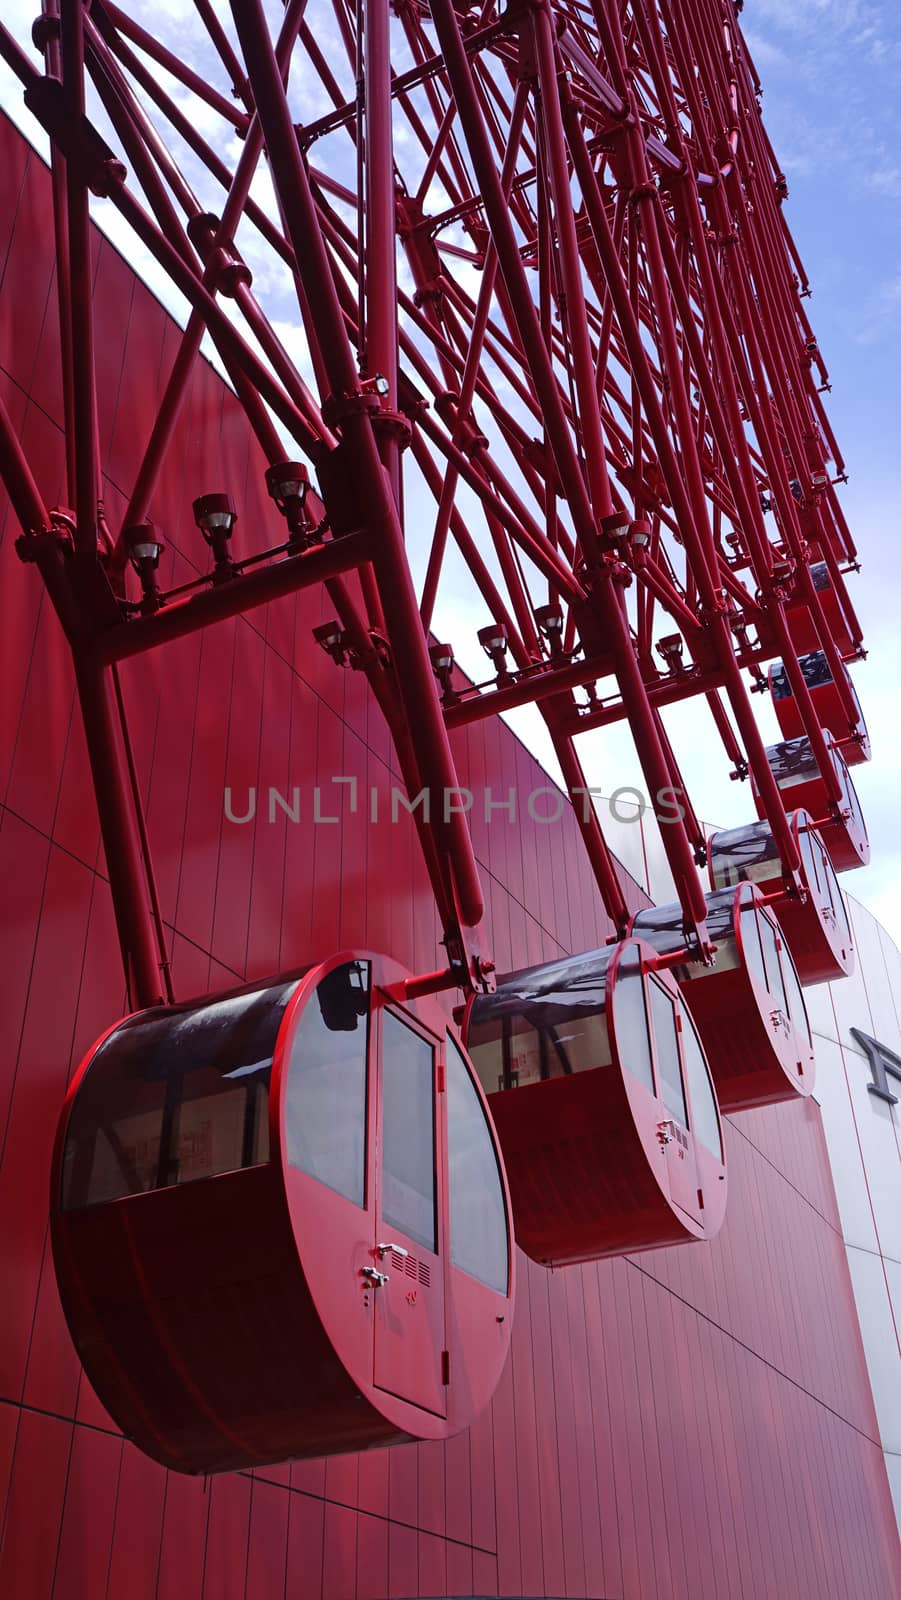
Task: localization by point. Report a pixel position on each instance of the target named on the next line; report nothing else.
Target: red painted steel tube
(232, 599)
(380, 266)
(497, 607)
(176, 386)
(512, 271)
(128, 882)
(416, 682)
(542, 683)
(666, 693)
(153, 47)
(571, 268)
(79, 289)
(231, 342)
(726, 732)
(651, 754)
(15, 472)
(471, 371)
(143, 839)
(586, 817)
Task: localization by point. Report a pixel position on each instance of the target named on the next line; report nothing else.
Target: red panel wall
(692, 1424)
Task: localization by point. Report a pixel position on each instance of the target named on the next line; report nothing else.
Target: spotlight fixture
(550, 625)
(331, 638)
(639, 534)
(288, 484)
(671, 649)
(144, 551)
(442, 659)
(493, 640)
(615, 527)
(216, 516)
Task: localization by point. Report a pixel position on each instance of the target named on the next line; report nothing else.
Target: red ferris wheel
(547, 357)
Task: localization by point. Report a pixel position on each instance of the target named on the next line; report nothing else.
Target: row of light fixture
(215, 515)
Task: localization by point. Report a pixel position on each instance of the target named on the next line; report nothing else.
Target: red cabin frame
(599, 1158)
(815, 918)
(263, 1313)
(748, 1007)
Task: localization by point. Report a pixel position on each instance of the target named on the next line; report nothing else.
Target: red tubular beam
(172, 63)
(571, 268)
(524, 532)
(128, 881)
(512, 270)
(79, 290)
(724, 728)
(413, 668)
(488, 589)
(543, 683)
(17, 476)
(176, 386)
(651, 754)
(593, 839)
(380, 265)
(231, 342)
(666, 693)
(232, 599)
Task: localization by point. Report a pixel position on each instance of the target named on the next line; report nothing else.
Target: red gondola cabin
(603, 1104)
(748, 1007)
(801, 625)
(843, 830)
(280, 1222)
(850, 736)
(816, 928)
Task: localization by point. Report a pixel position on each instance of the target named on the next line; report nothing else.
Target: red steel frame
(543, 279)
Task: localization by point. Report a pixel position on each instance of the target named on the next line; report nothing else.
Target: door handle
(374, 1278)
(397, 1249)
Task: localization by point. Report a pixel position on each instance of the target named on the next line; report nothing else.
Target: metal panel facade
(689, 1423)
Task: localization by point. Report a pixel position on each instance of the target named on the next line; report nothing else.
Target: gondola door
(410, 1356)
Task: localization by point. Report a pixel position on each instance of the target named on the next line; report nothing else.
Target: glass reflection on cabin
(747, 1007)
(325, 1097)
(478, 1222)
(816, 927)
(800, 622)
(797, 773)
(850, 734)
(174, 1096)
(603, 1105)
(275, 1170)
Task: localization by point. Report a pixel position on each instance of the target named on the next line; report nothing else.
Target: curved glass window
(745, 854)
(837, 901)
(546, 1022)
(809, 856)
(478, 1222)
(408, 1132)
(325, 1100)
(792, 762)
(851, 799)
(630, 1021)
(704, 1118)
(750, 939)
(666, 1044)
(174, 1095)
(771, 960)
(794, 994)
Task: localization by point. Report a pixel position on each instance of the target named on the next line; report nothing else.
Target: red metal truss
(548, 329)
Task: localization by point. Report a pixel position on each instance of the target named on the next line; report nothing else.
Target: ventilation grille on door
(418, 1270)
